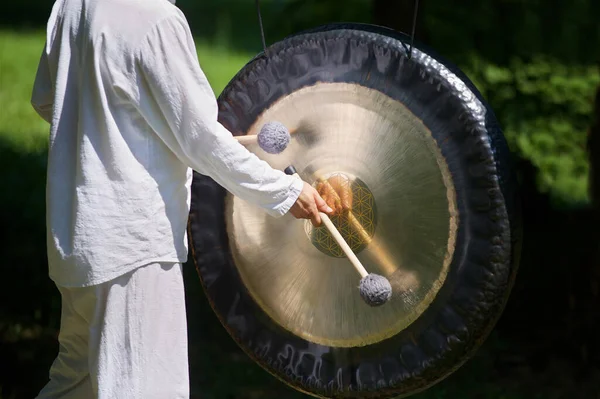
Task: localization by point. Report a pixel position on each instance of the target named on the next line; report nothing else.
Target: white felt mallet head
(274, 137)
(375, 290)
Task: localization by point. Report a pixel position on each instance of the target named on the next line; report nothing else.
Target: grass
(19, 55)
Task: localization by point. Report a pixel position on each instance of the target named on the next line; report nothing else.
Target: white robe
(126, 338)
(131, 115)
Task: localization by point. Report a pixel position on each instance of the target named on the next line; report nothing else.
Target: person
(131, 116)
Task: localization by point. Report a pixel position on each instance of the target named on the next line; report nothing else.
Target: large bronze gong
(432, 192)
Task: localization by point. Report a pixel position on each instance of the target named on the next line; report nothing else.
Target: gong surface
(402, 194)
(433, 193)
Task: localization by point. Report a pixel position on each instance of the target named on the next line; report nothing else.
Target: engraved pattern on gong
(357, 232)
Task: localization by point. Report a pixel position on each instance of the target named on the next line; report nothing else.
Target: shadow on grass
(545, 346)
(30, 308)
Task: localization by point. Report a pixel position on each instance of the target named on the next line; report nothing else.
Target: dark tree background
(535, 61)
(399, 15)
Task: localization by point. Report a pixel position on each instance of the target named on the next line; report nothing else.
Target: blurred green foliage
(545, 108)
(536, 62)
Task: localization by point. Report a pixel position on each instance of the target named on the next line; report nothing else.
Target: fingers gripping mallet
(273, 138)
(374, 289)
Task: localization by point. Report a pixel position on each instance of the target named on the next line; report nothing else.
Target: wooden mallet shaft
(344, 245)
(247, 140)
(383, 258)
(336, 235)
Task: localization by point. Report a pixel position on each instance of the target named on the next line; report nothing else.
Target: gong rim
(416, 279)
(481, 274)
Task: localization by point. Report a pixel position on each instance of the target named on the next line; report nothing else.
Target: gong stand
(433, 210)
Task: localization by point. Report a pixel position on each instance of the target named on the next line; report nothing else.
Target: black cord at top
(414, 27)
(412, 35)
(262, 31)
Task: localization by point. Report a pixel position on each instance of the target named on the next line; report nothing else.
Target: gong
(434, 209)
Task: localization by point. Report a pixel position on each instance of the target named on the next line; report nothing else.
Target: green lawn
(19, 55)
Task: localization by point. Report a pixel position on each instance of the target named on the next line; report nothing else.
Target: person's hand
(337, 193)
(309, 204)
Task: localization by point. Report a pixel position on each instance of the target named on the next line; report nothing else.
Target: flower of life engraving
(356, 225)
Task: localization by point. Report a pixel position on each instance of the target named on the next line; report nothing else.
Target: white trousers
(126, 338)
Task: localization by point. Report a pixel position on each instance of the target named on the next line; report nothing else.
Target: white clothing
(126, 338)
(131, 115)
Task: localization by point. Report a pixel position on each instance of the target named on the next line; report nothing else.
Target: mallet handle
(384, 259)
(248, 139)
(344, 245)
(290, 170)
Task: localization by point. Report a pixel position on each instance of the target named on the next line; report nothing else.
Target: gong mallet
(374, 289)
(273, 138)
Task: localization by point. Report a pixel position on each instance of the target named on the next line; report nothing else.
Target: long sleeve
(177, 101)
(42, 94)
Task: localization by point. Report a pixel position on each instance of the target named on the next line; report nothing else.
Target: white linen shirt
(131, 115)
